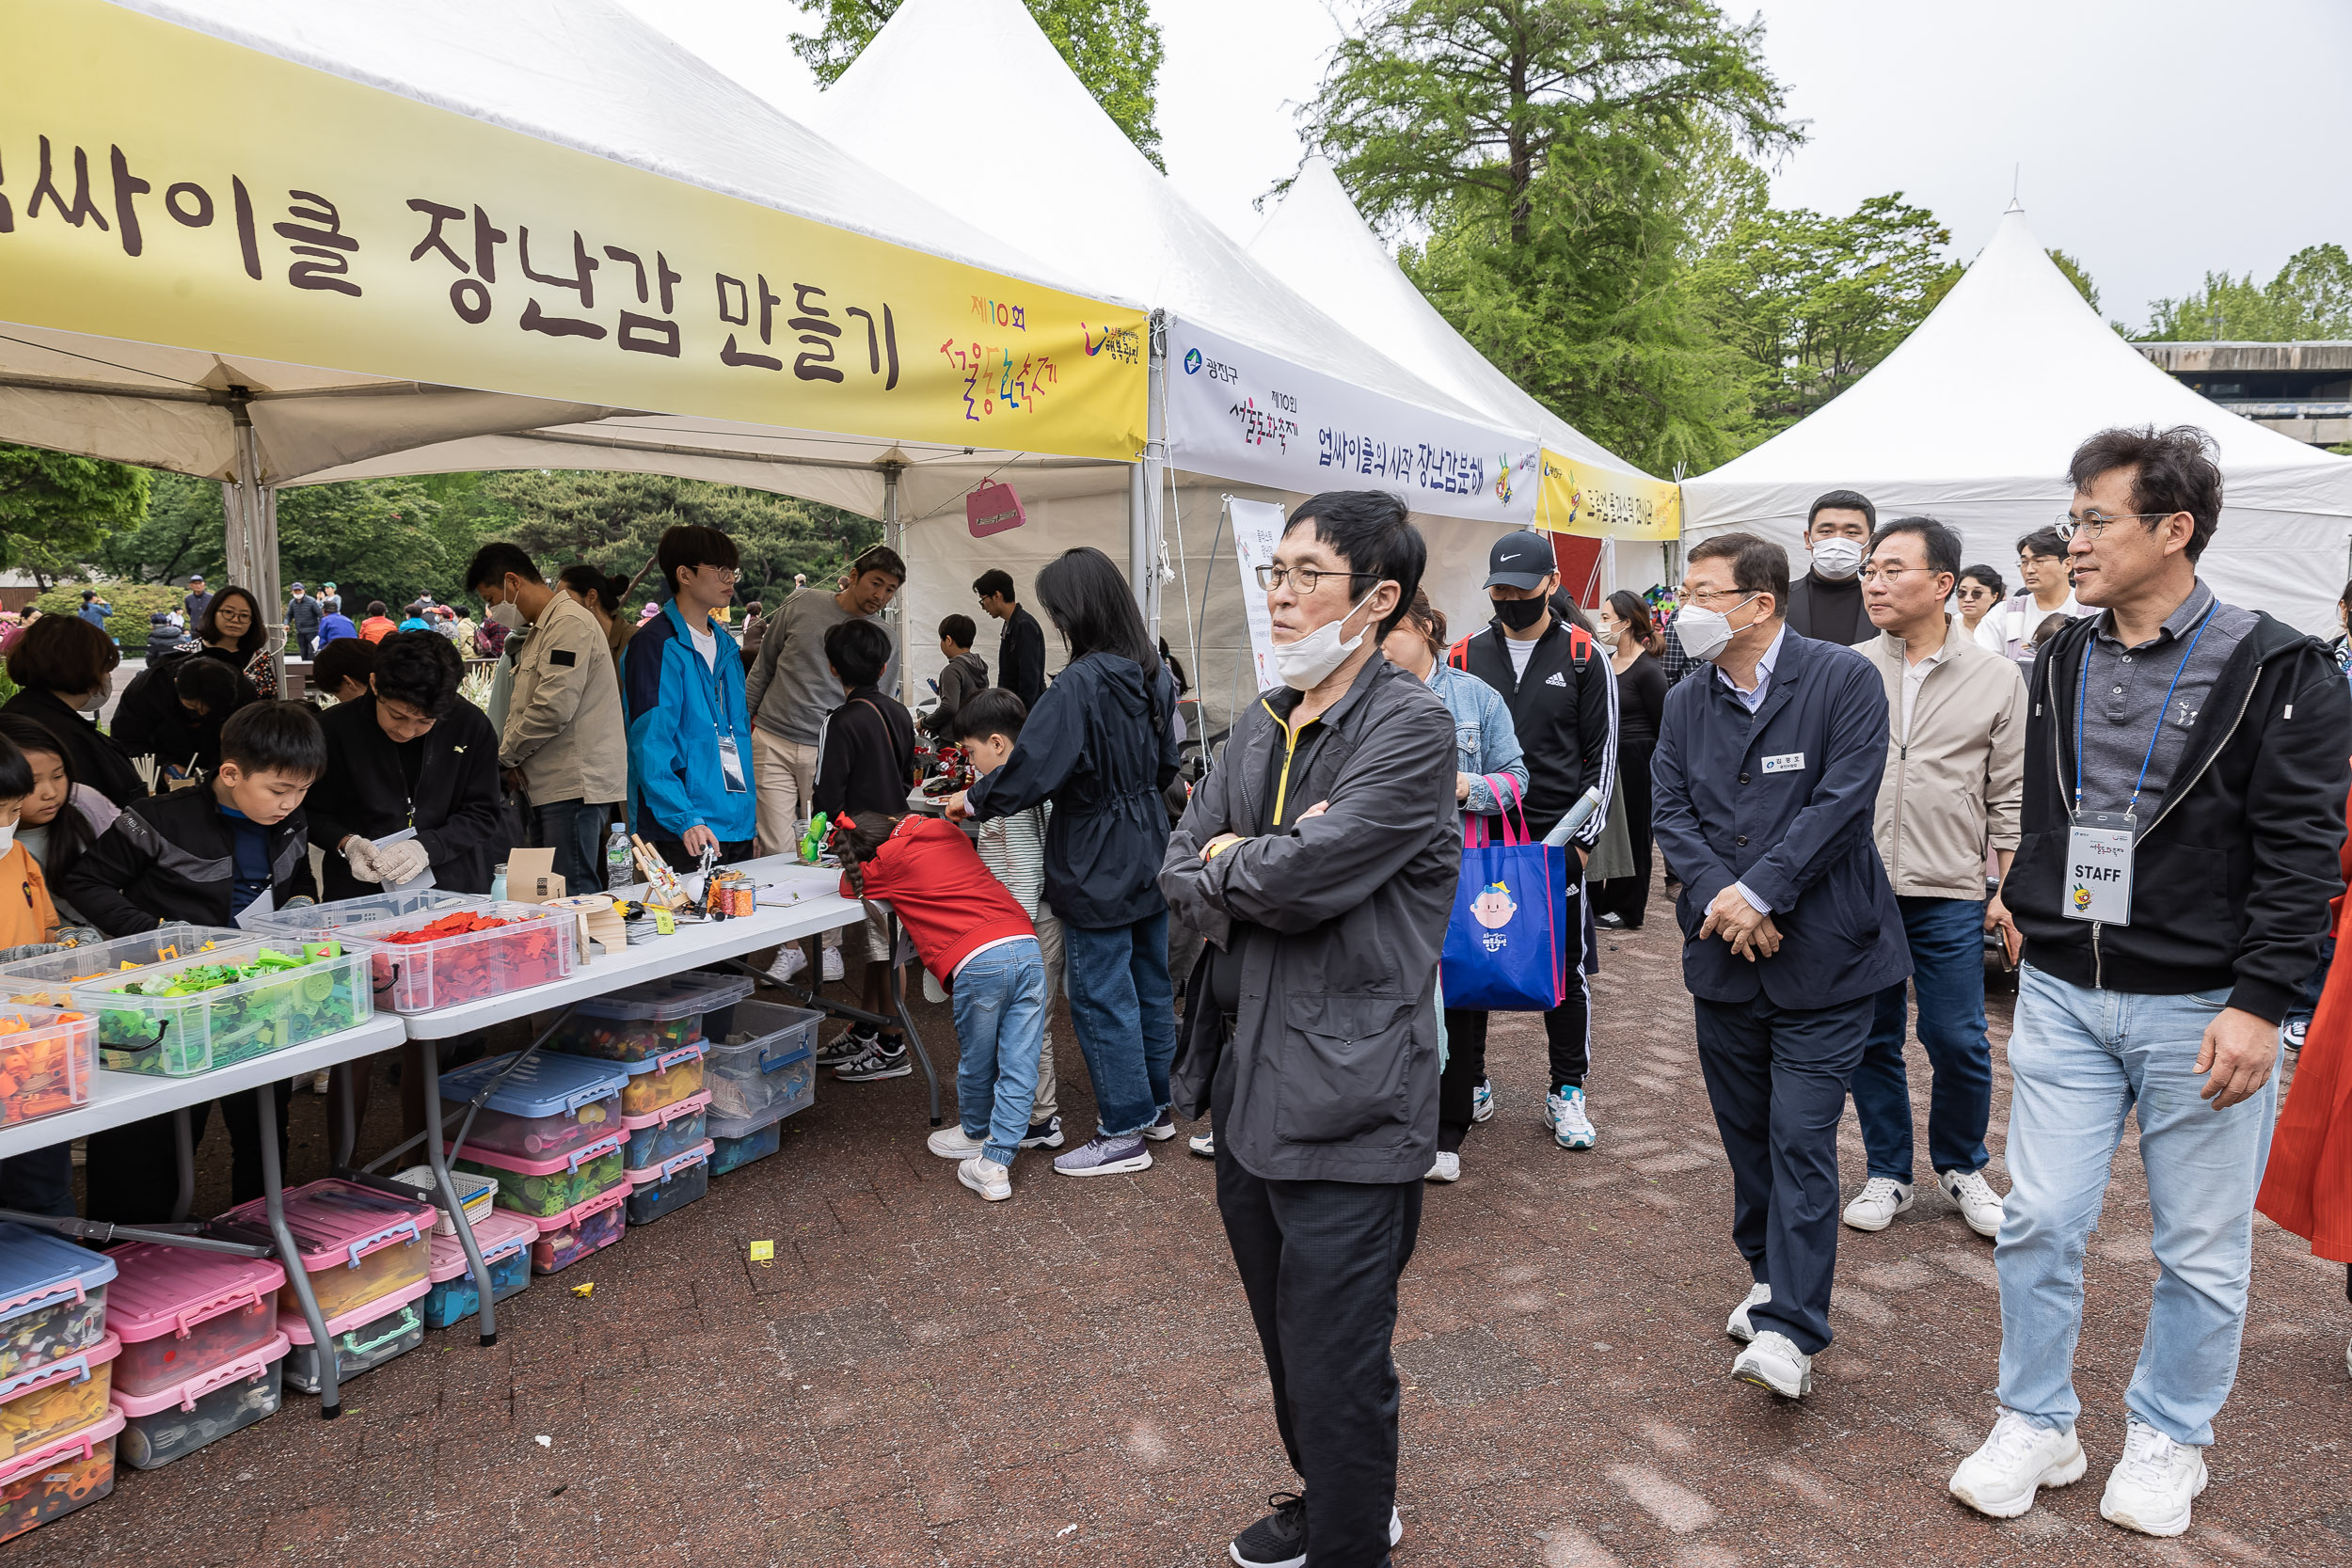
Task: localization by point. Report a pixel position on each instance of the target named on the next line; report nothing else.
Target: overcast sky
(2157, 138)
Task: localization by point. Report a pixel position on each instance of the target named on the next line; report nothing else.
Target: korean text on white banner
(1242, 414)
(1256, 529)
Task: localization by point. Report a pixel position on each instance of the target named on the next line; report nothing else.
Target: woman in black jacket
(234, 632)
(64, 669)
(1621, 902)
(173, 711)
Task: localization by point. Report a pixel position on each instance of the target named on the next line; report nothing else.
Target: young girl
(62, 816)
(970, 934)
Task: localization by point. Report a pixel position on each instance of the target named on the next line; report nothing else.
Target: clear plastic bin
(53, 1298)
(48, 980)
(671, 1185)
(638, 1023)
(728, 1154)
(359, 1245)
(323, 991)
(72, 1472)
(672, 1129)
(180, 1312)
(309, 921)
(505, 1243)
(48, 1061)
(751, 1074)
(541, 1188)
(571, 1236)
(42, 1405)
(663, 1081)
(533, 948)
(548, 1104)
(174, 1423)
(363, 1339)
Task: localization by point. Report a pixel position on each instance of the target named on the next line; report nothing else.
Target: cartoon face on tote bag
(1494, 907)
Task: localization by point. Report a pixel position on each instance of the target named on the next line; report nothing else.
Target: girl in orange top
(26, 916)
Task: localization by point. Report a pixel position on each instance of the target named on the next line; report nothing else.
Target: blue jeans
(1124, 1010)
(574, 831)
(1948, 966)
(2079, 1060)
(1000, 1026)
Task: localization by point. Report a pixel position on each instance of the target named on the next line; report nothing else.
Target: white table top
(820, 907)
(122, 1097)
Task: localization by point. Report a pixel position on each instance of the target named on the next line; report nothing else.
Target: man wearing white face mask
(1825, 604)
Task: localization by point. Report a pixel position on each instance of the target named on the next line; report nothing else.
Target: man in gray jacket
(1319, 861)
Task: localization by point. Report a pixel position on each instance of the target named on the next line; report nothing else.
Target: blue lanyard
(2082, 700)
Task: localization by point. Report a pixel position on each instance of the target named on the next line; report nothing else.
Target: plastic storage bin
(320, 990)
(568, 1237)
(658, 1190)
(48, 1061)
(307, 922)
(53, 1298)
(663, 1081)
(505, 1243)
(48, 981)
(364, 1339)
(672, 1129)
(638, 1023)
(461, 963)
(161, 1427)
(359, 1245)
(548, 1105)
(750, 1077)
(180, 1313)
(75, 1470)
(728, 1154)
(541, 1188)
(40, 1406)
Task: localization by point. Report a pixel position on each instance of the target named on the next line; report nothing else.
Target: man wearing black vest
(1825, 604)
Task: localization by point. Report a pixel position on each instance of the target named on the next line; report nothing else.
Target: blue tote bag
(1503, 946)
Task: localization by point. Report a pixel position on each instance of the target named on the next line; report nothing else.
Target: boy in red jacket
(973, 937)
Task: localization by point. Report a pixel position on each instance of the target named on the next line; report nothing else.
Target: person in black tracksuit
(1556, 680)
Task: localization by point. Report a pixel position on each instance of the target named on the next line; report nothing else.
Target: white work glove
(399, 863)
(363, 856)
(28, 950)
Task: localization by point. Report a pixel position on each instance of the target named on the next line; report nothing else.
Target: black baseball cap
(1520, 560)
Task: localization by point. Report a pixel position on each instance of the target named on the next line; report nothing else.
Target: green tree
(57, 510)
(2076, 275)
(184, 530)
(2310, 298)
(1112, 45)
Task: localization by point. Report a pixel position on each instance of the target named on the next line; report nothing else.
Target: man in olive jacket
(1319, 861)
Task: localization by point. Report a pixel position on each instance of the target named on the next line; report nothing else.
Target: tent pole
(253, 531)
(894, 615)
(1145, 534)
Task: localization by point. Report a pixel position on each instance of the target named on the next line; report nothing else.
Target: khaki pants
(1049, 945)
(783, 776)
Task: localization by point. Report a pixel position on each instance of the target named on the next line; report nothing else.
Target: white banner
(1256, 529)
(1238, 414)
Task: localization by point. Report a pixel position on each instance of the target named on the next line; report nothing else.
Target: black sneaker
(1043, 1135)
(854, 1042)
(877, 1061)
(1277, 1540)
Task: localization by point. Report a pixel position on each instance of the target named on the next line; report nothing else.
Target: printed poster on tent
(1242, 415)
(1256, 529)
(1603, 503)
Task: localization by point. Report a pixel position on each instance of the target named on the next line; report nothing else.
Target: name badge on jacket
(2099, 868)
(1788, 762)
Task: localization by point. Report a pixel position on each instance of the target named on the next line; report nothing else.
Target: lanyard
(2082, 700)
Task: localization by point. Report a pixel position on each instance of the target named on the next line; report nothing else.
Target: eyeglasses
(2069, 525)
(1975, 591)
(1709, 595)
(1305, 578)
(1888, 574)
(724, 573)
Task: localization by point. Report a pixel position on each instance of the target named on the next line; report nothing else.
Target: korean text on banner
(1256, 529)
(1242, 414)
(165, 186)
(1603, 503)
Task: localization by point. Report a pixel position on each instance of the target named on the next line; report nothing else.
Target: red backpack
(1579, 648)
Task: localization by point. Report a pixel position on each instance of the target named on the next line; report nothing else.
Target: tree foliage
(1112, 45)
(56, 510)
(2310, 298)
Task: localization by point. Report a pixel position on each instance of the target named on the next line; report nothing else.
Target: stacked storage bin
(57, 1429)
(505, 1241)
(764, 1071)
(657, 1190)
(550, 1129)
(369, 1254)
(48, 1061)
(201, 1354)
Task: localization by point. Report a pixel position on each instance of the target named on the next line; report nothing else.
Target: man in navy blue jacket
(1767, 774)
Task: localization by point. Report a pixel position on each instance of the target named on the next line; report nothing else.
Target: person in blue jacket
(690, 733)
(1767, 771)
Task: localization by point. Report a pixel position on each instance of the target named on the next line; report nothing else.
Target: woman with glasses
(233, 632)
(1980, 589)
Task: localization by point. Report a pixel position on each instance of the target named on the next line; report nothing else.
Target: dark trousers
(39, 1182)
(307, 641)
(574, 831)
(1948, 966)
(133, 1172)
(688, 862)
(1567, 1029)
(1319, 1262)
(1628, 897)
(1777, 1079)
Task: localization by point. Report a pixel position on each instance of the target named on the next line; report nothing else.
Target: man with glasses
(1952, 784)
(1021, 646)
(2183, 808)
(2044, 588)
(1767, 771)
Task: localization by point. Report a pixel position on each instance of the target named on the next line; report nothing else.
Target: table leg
(274, 1201)
(346, 1109)
(183, 1146)
(429, 1064)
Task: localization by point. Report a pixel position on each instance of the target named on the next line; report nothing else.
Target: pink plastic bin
(161, 1427)
(359, 1245)
(180, 1313)
(42, 1405)
(75, 1470)
(567, 1238)
(362, 1338)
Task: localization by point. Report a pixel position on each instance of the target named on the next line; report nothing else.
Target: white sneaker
(986, 1178)
(1773, 1361)
(1446, 1167)
(789, 962)
(1482, 1100)
(1571, 1128)
(1980, 1204)
(1204, 1144)
(952, 1142)
(1739, 1327)
(2151, 1487)
(1881, 1199)
(2001, 1477)
(832, 970)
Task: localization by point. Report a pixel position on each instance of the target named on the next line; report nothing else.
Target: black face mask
(1520, 614)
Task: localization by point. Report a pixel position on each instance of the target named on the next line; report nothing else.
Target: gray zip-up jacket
(1330, 1072)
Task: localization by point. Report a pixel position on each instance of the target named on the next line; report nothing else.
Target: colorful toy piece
(190, 1017)
(76, 1469)
(47, 1061)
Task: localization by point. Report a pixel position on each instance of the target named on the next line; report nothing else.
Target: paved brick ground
(1068, 1378)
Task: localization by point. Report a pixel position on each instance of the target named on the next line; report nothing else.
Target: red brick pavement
(1069, 1378)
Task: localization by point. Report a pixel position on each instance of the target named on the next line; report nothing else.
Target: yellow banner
(1602, 503)
(164, 186)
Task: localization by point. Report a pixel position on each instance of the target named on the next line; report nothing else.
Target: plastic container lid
(163, 1290)
(610, 1199)
(41, 1268)
(55, 971)
(307, 918)
(668, 1113)
(691, 1050)
(671, 996)
(184, 1395)
(671, 1166)
(569, 1160)
(296, 1329)
(336, 1223)
(66, 1368)
(497, 1234)
(79, 1444)
(548, 1085)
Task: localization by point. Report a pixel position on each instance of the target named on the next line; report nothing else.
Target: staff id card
(2099, 868)
(731, 764)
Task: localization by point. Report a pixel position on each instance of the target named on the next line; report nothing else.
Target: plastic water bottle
(620, 867)
(497, 884)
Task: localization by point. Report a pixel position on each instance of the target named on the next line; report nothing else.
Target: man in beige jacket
(1954, 783)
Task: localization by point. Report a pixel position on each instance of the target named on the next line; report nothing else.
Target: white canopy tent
(1972, 420)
